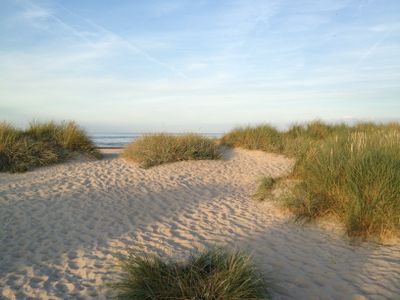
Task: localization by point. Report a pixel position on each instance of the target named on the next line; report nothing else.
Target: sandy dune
(62, 226)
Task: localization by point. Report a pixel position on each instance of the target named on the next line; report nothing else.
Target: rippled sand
(62, 227)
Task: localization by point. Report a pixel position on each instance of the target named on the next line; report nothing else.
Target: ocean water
(121, 139)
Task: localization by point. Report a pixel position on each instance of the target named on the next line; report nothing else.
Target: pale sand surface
(61, 228)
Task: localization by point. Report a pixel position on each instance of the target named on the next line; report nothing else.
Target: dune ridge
(63, 226)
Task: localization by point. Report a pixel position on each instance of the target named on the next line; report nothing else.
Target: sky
(204, 66)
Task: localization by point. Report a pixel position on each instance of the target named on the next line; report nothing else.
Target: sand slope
(62, 226)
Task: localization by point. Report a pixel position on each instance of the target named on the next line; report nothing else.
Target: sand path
(62, 226)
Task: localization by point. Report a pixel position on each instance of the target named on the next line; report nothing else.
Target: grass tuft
(157, 149)
(262, 137)
(264, 189)
(65, 135)
(212, 274)
(41, 144)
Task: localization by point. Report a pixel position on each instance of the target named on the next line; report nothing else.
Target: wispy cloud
(206, 61)
(94, 35)
(371, 49)
(130, 45)
(35, 12)
(162, 8)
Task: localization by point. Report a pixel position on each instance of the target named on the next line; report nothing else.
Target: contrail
(127, 43)
(130, 45)
(372, 48)
(102, 29)
(30, 5)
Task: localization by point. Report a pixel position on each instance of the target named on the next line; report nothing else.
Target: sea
(116, 140)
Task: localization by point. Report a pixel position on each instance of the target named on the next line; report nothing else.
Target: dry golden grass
(349, 172)
(41, 144)
(152, 150)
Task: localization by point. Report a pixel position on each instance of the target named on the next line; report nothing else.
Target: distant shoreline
(106, 148)
(119, 140)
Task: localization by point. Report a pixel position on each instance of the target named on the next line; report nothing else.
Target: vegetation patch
(262, 137)
(356, 177)
(212, 274)
(264, 189)
(41, 144)
(157, 149)
(349, 172)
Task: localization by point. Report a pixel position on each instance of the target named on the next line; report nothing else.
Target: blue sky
(186, 65)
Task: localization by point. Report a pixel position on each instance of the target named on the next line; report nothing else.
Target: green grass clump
(315, 130)
(152, 150)
(262, 137)
(355, 177)
(213, 274)
(41, 144)
(349, 172)
(65, 135)
(294, 142)
(264, 189)
(298, 139)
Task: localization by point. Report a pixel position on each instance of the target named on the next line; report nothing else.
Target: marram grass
(214, 274)
(66, 135)
(356, 177)
(262, 137)
(293, 142)
(41, 144)
(157, 149)
(264, 189)
(349, 172)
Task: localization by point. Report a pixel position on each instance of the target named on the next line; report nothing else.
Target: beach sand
(62, 227)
